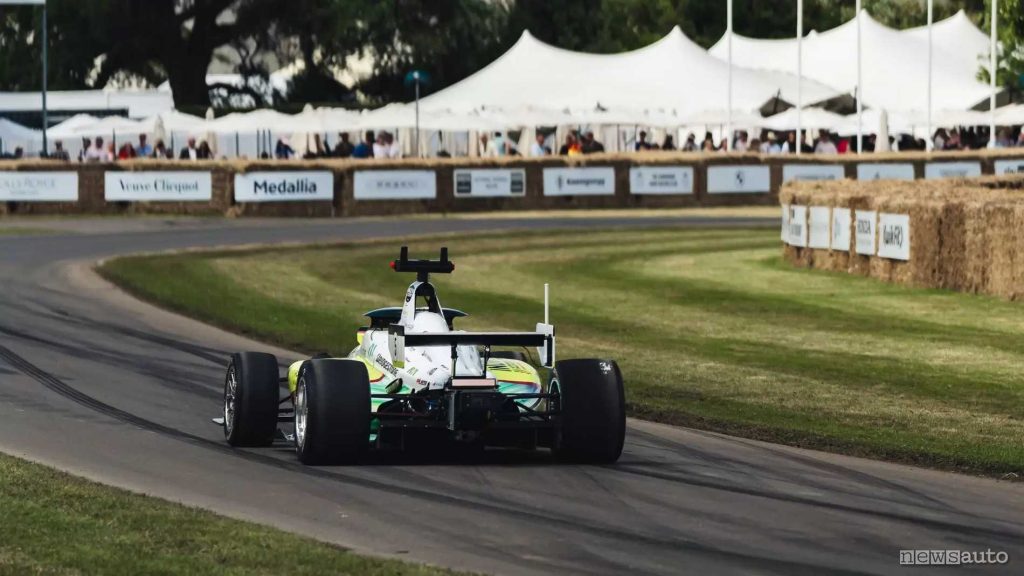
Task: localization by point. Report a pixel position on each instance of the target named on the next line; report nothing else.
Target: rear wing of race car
(543, 339)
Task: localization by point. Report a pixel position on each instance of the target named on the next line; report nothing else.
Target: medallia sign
(791, 172)
(598, 181)
(739, 179)
(39, 186)
(934, 170)
(158, 186)
(490, 183)
(661, 180)
(306, 186)
(394, 185)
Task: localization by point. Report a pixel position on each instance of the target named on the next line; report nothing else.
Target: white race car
(413, 377)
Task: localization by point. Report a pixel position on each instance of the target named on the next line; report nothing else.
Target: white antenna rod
(546, 303)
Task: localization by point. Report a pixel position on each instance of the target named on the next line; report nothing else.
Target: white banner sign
(284, 187)
(39, 186)
(785, 223)
(158, 186)
(894, 236)
(817, 226)
(394, 185)
(885, 171)
(1010, 166)
(798, 225)
(792, 172)
(841, 229)
(579, 181)
(661, 180)
(739, 179)
(865, 230)
(933, 170)
(490, 183)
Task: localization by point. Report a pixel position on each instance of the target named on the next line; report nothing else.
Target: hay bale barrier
(957, 234)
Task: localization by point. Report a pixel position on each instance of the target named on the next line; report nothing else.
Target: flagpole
(728, 33)
(930, 139)
(860, 87)
(992, 79)
(799, 74)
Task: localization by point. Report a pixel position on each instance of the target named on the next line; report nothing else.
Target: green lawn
(54, 523)
(710, 328)
(20, 231)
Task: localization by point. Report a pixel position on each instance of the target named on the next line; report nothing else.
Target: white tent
(674, 73)
(246, 122)
(14, 135)
(957, 42)
(67, 128)
(1010, 115)
(895, 65)
(810, 119)
(113, 125)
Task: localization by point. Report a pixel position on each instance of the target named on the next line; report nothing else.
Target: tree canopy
(146, 42)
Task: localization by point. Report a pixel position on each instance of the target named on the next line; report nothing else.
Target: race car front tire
(592, 404)
(251, 397)
(332, 412)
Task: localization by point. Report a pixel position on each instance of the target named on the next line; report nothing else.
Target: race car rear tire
(592, 403)
(251, 400)
(332, 412)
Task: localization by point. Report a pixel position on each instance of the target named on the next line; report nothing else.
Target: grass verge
(55, 523)
(710, 328)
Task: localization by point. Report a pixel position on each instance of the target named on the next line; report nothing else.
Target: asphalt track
(108, 388)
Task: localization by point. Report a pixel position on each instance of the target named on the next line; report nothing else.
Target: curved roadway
(112, 389)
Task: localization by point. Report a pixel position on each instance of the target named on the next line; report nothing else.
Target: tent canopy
(894, 63)
(674, 75)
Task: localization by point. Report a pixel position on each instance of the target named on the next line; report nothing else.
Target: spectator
(282, 150)
(789, 146)
(380, 147)
(111, 154)
(86, 144)
(189, 152)
(393, 149)
(126, 152)
(669, 144)
(96, 153)
(160, 151)
(206, 154)
(755, 145)
(344, 149)
(1020, 138)
(19, 153)
(571, 146)
(144, 150)
(365, 148)
(539, 146)
(771, 144)
(497, 147)
(939, 139)
(59, 153)
(825, 144)
(709, 143)
(954, 140)
(691, 143)
(591, 145)
(740, 143)
(642, 143)
(869, 143)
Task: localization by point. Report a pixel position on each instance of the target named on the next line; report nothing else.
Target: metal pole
(799, 74)
(728, 117)
(860, 89)
(46, 148)
(992, 80)
(416, 76)
(928, 131)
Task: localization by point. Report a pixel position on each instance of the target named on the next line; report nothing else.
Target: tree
(1010, 59)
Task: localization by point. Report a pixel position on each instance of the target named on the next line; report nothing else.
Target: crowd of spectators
(382, 144)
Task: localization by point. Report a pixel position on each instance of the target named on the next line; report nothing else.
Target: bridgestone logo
(303, 187)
